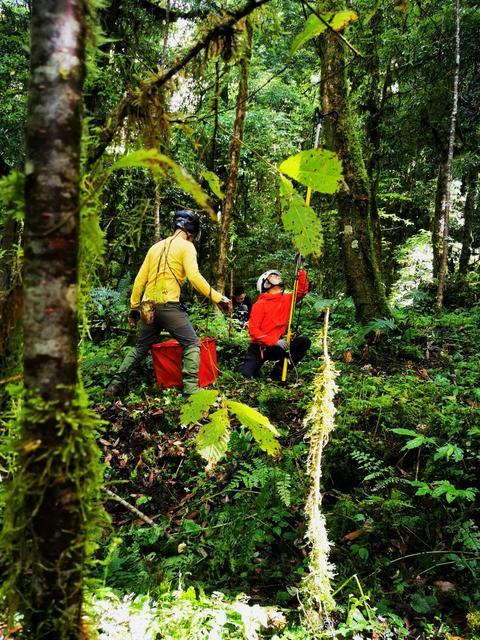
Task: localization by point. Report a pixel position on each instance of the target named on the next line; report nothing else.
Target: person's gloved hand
(225, 305)
(133, 317)
(282, 343)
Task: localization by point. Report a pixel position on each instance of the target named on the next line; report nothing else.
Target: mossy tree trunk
(44, 536)
(234, 159)
(471, 187)
(361, 266)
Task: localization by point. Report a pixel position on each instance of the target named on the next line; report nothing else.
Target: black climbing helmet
(187, 220)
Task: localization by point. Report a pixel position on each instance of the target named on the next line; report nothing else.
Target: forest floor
(400, 481)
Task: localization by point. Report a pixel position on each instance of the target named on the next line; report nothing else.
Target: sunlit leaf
(197, 405)
(314, 27)
(316, 168)
(262, 430)
(212, 440)
(300, 221)
(214, 183)
(161, 165)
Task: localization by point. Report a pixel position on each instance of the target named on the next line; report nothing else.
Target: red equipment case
(167, 363)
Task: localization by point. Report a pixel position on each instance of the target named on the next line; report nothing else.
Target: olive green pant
(172, 318)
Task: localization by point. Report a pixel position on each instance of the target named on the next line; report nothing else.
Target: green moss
(64, 462)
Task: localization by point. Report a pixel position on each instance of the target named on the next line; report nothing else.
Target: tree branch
(128, 506)
(148, 87)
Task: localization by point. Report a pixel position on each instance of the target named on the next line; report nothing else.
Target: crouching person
(268, 325)
(157, 285)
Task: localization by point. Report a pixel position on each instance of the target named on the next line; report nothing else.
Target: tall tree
(234, 158)
(353, 201)
(451, 141)
(44, 539)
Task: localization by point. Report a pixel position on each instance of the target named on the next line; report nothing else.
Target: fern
(283, 485)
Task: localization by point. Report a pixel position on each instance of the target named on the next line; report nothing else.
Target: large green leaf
(314, 27)
(262, 430)
(162, 165)
(197, 405)
(300, 221)
(214, 183)
(212, 440)
(316, 168)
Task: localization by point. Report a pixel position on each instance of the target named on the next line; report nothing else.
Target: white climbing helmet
(263, 283)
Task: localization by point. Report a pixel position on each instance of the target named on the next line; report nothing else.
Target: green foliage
(163, 166)
(319, 169)
(181, 614)
(12, 197)
(214, 183)
(314, 27)
(300, 221)
(198, 405)
(212, 439)
(263, 432)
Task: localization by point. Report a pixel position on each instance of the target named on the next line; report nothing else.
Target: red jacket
(269, 317)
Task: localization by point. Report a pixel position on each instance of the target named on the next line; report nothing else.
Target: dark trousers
(257, 355)
(172, 318)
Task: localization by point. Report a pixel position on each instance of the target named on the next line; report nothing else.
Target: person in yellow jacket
(157, 288)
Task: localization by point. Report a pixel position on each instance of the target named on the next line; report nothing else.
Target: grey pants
(172, 318)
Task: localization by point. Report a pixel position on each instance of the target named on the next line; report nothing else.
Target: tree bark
(234, 159)
(447, 202)
(47, 509)
(438, 217)
(374, 106)
(353, 201)
(468, 218)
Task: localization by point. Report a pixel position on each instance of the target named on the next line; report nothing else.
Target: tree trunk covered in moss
(353, 201)
(234, 159)
(44, 535)
(468, 218)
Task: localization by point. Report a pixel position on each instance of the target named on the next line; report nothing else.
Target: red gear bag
(167, 363)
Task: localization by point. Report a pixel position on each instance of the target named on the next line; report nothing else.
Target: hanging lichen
(316, 591)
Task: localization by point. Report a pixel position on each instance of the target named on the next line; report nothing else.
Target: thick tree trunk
(234, 159)
(453, 122)
(356, 229)
(46, 515)
(468, 218)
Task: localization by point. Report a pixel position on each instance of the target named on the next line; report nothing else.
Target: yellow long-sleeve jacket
(164, 270)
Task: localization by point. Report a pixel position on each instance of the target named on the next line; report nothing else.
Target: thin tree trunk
(45, 520)
(439, 217)
(374, 106)
(234, 158)
(468, 218)
(211, 157)
(453, 122)
(353, 201)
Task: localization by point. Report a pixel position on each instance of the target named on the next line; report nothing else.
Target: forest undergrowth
(399, 489)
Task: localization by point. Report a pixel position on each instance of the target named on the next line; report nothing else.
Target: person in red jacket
(268, 325)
